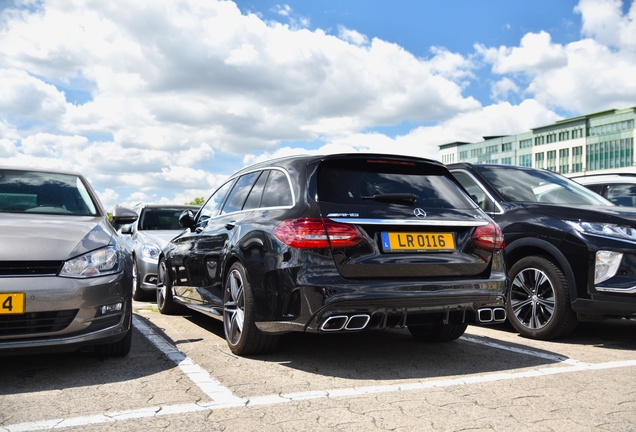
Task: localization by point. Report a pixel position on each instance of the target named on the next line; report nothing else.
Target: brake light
(489, 237)
(317, 233)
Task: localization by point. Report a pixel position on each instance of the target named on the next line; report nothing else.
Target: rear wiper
(392, 197)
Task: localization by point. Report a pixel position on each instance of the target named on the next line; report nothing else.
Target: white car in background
(619, 188)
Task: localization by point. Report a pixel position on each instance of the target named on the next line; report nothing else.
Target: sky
(161, 101)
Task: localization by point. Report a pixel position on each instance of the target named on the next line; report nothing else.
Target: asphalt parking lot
(181, 376)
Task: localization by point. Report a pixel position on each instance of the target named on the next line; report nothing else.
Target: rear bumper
(399, 307)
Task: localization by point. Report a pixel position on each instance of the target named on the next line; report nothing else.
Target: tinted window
(475, 191)
(622, 194)
(213, 206)
(357, 187)
(517, 185)
(160, 219)
(39, 192)
(277, 191)
(254, 198)
(239, 193)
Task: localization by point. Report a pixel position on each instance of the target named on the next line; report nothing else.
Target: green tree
(196, 201)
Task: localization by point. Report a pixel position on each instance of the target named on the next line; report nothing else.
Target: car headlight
(100, 262)
(604, 229)
(150, 251)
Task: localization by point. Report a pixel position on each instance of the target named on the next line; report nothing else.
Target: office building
(602, 142)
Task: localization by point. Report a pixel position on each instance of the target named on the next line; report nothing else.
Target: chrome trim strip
(631, 290)
(408, 222)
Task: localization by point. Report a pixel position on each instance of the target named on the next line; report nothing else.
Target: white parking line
(222, 397)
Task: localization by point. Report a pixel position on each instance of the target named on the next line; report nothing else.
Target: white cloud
(588, 75)
(503, 88)
(535, 54)
(352, 36)
(604, 21)
(29, 97)
(180, 92)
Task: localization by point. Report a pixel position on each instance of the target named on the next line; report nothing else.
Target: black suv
(337, 243)
(571, 253)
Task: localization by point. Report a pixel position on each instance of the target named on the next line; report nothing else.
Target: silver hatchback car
(65, 276)
(156, 225)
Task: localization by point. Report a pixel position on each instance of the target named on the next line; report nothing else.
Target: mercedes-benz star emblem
(419, 213)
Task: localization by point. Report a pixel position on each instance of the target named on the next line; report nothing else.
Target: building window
(525, 160)
(539, 140)
(551, 160)
(610, 154)
(448, 159)
(506, 161)
(527, 143)
(538, 160)
(564, 136)
(506, 147)
(564, 160)
(577, 133)
(463, 155)
(612, 128)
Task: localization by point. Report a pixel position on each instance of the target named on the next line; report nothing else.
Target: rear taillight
(489, 237)
(316, 233)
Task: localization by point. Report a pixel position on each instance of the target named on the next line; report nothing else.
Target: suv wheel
(241, 333)
(538, 300)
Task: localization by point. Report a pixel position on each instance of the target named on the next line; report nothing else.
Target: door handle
(230, 225)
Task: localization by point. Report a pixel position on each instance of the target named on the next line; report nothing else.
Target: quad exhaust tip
(488, 315)
(344, 322)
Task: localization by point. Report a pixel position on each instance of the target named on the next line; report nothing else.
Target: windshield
(42, 192)
(160, 219)
(521, 185)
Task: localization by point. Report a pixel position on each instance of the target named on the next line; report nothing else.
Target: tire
(437, 332)
(538, 300)
(137, 294)
(120, 348)
(165, 300)
(241, 333)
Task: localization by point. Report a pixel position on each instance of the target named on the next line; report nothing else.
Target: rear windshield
(389, 184)
(41, 192)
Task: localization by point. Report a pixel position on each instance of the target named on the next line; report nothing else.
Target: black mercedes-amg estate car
(336, 243)
(571, 253)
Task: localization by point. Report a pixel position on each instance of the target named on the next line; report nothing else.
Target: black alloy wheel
(241, 333)
(538, 300)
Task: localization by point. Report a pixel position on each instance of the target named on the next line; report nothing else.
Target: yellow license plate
(11, 303)
(417, 242)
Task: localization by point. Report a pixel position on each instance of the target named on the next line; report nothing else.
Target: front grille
(29, 268)
(36, 322)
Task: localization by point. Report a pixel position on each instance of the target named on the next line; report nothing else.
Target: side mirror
(186, 220)
(123, 215)
(126, 229)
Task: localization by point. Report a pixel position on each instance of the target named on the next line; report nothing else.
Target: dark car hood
(602, 214)
(50, 237)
